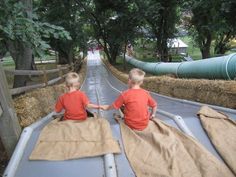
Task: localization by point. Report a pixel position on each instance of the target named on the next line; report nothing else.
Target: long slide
(102, 88)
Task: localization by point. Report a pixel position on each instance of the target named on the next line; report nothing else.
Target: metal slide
(212, 68)
(102, 87)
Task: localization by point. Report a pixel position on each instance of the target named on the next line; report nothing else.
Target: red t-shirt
(136, 102)
(74, 104)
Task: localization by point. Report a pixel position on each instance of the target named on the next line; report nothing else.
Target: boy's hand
(104, 107)
(117, 117)
(152, 116)
(59, 117)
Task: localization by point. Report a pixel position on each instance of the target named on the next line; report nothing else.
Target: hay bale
(28, 110)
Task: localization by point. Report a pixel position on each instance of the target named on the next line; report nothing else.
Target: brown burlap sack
(222, 133)
(69, 139)
(163, 151)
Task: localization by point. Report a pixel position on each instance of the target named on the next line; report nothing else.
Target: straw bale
(28, 110)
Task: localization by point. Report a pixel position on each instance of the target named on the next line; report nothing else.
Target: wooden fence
(44, 73)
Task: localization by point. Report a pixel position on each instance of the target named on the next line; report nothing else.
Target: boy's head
(136, 76)
(72, 80)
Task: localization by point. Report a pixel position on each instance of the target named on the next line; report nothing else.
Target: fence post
(9, 125)
(60, 71)
(72, 67)
(45, 77)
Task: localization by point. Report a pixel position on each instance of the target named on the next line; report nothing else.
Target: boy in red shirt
(136, 102)
(74, 102)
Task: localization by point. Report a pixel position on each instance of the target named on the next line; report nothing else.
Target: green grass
(8, 63)
(145, 54)
(192, 50)
(148, 55)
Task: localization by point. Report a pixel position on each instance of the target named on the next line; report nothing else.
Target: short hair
(72, 79)
(136, 75)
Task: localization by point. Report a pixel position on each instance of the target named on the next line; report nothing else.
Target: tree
(226, 28)
(66, 14)
(162, 17)
(113, 23)
(202, 24)
(24, 35)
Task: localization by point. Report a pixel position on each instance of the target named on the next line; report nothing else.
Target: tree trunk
(70, 55)
(124, 61)
(33, 65)
(222, 45)
(162, 50)
(205, 46)
(22, 56)
(65, 53)
(162, 36)
(21, 52)
(23, 61)
(220, 49)
(165, 52)
(108, 55)
(62, 57)
(205, 53)
(3, 49)
(114, 52)
(205, 50)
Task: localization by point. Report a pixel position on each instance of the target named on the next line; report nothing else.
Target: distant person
(135, 101)
(74, 102)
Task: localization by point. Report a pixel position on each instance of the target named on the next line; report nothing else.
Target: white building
(177, 46)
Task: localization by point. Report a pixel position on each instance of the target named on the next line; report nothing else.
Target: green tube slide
(212, 68)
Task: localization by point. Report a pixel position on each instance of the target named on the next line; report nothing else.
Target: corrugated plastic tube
(212, 68)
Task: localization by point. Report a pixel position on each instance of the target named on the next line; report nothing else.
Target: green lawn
(145, 54)
(8, 63)
(148, 55)
(192, 50)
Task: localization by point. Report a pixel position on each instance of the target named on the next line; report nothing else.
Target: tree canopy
(210, 21)
(66, 26)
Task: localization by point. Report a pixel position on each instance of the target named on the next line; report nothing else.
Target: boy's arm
(107, 107)
(87, 103)
(153, 113)
(94, 106)
(59, 105)
(153, 104)
(115, 105)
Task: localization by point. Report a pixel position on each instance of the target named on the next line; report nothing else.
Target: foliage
(113, 23)
(209, 21)
(226, 28)
(15, 25)
(66, 14)
(162, 17)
